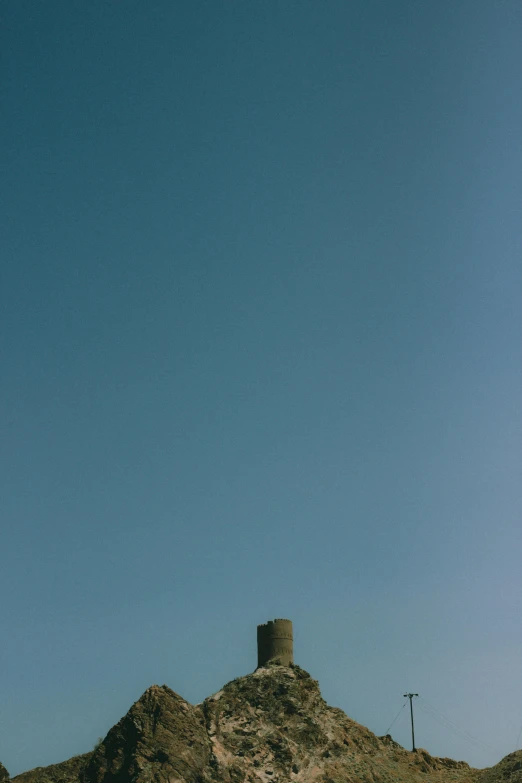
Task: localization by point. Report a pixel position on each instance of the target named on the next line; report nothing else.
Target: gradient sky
(261, 357)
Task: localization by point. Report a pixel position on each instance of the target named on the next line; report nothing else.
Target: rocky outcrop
(66, 772)
(509, 770)
(272, 726)
(4, 774)
(162, 738)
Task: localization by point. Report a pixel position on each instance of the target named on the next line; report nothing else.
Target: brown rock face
(162, 738)
(4, 774)
(272, 725)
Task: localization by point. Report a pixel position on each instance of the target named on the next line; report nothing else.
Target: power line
(457, 732)
(518, 738)
(451, 724)
(448, 724)
(393, 721)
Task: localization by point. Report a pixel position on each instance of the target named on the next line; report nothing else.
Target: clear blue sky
(261, 357)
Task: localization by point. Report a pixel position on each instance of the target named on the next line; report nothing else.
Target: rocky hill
(271, 726)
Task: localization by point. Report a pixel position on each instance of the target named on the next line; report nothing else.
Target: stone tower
(275, 640)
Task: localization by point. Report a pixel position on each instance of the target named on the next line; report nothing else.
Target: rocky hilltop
(272, 726)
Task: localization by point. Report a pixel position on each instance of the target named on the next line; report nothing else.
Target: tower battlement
(275, 640)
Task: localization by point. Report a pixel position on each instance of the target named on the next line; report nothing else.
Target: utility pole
(410, 697)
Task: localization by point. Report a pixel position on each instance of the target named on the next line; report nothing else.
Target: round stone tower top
(275, 641)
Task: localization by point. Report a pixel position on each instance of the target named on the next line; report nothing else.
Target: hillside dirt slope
(271, 726)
